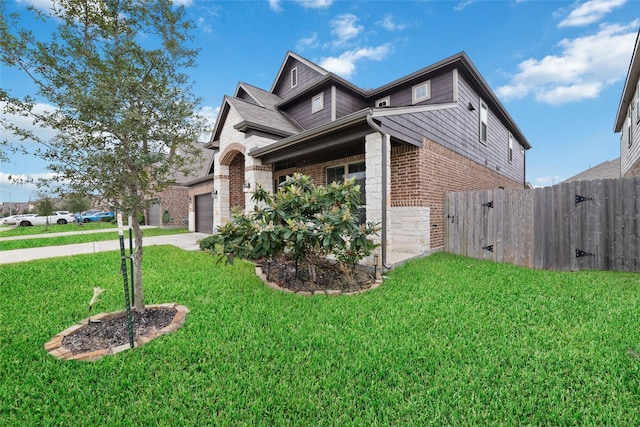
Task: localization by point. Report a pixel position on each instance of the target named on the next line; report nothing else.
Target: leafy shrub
(306, 221)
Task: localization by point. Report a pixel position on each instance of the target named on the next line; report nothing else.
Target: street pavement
(186, 241)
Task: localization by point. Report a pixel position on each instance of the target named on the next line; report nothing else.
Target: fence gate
(582, 225)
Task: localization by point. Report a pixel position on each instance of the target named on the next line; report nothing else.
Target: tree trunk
(137, 266)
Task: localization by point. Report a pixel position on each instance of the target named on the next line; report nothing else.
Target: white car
(15, 219)
(59, 217)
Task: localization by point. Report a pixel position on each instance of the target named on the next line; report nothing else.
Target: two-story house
(407, 142)
(628, 119)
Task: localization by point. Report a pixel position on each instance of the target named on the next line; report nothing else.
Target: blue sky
(558, 66)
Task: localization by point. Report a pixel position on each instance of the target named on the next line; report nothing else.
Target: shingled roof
(605, 170)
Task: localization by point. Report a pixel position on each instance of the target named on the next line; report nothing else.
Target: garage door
(153, 217)
(204, 214)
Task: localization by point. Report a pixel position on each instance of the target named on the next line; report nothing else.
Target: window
(352, 170)
(484, 122)
(421, 92)
(317, 103)
(383, 102)
(629, 126)
(510, 148)
(294, 77)
(638, 102)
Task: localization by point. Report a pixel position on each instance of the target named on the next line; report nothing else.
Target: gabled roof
(629, 87)
(605, 170)
(201, 168)
(260, 113)
(292, 55)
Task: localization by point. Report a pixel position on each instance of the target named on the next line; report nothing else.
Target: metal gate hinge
(580, 253)
(489, 248)
(580, 199)
(488, 204)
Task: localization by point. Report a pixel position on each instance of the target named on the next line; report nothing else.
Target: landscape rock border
(54, 346)
(330, 292)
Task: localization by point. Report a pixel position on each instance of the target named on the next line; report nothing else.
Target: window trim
(629, 127)
(320, 98)
(294, 77)
(386, 100)
(510, 153)
(415, 99)
(483, 106)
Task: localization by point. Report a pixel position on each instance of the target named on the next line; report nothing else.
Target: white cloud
(546, 181)
(590, 12)
(276, 6)
(390, 25)
(307, 43)
(25, 123)
(345, 28)
(464, 3)
(210, 114)
(345, 64)
(315, 4)
(584, 67)
(185, 3)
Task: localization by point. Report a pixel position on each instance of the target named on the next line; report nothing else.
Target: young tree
(76, 202)
(45, 207)
(124, 113)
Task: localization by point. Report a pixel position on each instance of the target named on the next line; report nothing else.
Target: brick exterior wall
(175, 200)
(236, 182)
(421, 177)
(317, 172)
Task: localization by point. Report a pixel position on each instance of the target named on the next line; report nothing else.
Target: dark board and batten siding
(347, 103)
(581, 225)
(458, 130)
(300, 111)
(305, 74)
(441, 92)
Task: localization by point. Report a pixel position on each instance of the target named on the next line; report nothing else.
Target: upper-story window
(294, 77)
(629, 127)
(510, 148)
(421, 92)
(384, 102)
(317, 103)
(484, 122)
(638, 102)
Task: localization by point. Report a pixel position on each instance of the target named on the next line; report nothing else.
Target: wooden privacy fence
(581, 225)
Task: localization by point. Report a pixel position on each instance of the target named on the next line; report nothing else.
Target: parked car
(15, 219)
(59, 217)
(100, 216)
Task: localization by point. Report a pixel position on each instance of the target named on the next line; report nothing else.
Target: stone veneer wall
(441, 170)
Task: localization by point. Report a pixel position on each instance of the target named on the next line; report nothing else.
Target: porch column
(255, 174)
(373, 181)
(221, 211)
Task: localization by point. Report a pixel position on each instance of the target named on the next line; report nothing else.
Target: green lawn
(8, 231)
(82, 238)
(446, 341)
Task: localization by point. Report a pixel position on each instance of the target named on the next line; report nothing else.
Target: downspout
(383, 235)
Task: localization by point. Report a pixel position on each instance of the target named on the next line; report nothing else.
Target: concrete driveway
(186, 241)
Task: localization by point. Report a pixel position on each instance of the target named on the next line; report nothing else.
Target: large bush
(306, 221)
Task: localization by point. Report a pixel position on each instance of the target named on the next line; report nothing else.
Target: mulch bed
(113, 332)
(329, 276)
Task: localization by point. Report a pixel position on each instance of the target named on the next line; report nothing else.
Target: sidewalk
(186, 241)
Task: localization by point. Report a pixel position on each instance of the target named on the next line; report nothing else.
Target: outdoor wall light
(247, 185)
(214, 194)
(471, 107)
